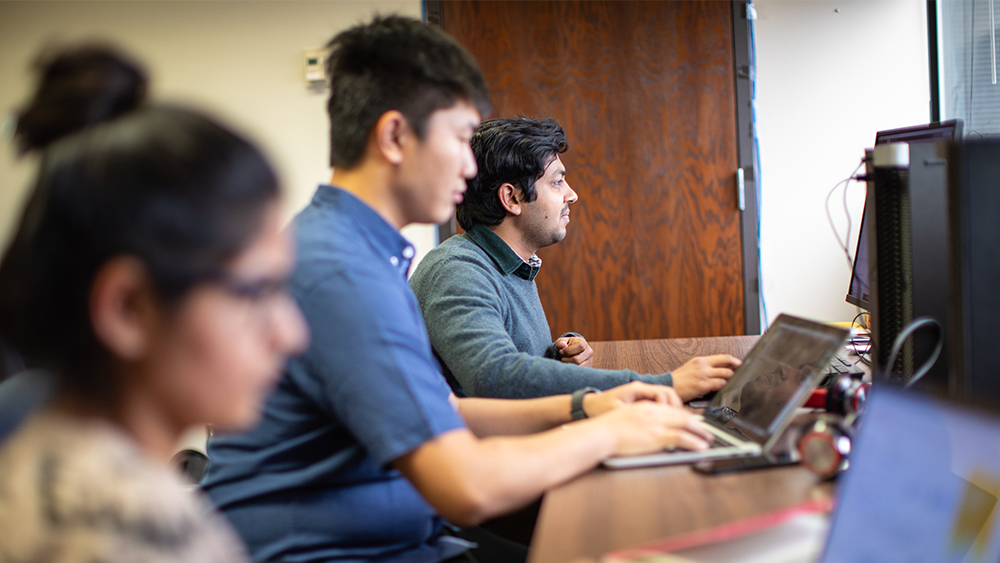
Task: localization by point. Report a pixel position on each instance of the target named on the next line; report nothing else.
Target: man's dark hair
(394, 63)
(512, 150)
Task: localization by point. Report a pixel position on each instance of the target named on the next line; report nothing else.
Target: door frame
(748, 194)
(744, 77)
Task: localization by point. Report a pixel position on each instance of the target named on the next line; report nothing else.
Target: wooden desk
(606, 510)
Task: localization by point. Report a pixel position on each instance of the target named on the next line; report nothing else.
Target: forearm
(522, 376)
(487, 364)
(657, 378)
(469, 480)
(493, 417)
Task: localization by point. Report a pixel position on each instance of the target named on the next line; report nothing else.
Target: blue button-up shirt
(314, 480)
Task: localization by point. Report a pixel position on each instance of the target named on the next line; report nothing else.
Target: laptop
(923, 484)
(748, 415)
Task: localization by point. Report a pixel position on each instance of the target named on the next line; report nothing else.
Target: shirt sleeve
(369, 364)
(462, 307)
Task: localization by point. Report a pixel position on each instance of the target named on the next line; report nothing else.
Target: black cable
(843, 244)
(907, 332)
(854, 342)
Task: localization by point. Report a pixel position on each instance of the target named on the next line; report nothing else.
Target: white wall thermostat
(315, 66)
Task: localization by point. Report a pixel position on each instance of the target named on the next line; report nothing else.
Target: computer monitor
(974, 323)
(859, 291)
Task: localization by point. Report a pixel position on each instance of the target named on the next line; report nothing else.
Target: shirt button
(408, 252)
(394, 261)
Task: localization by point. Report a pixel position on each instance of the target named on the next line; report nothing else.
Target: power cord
(845, 243)
(864, 353)
(751, 15)
(907, 332)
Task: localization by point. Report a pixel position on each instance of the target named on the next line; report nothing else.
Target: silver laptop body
(749, 414)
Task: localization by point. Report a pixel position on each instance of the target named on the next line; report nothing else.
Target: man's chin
(444, 216)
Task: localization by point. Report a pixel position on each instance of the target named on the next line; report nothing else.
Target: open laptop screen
(923, 484)
(777, 376)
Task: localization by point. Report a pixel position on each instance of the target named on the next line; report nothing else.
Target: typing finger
(724, 373)
(689, 441)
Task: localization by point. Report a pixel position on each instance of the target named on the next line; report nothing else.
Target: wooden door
(645, 92)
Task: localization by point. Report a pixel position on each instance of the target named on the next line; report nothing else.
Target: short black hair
(394, 63)
(168, 186)
(513, 150)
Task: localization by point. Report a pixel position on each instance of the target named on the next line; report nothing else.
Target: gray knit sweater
(487, 325)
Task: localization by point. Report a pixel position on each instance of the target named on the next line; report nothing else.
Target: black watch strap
(576, 406)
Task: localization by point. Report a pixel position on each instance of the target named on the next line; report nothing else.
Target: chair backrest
(20, 396)
(10, 362)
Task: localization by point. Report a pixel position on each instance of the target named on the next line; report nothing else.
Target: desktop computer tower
(907, 204)
(974, 320)
(928, 184)
(889, 253)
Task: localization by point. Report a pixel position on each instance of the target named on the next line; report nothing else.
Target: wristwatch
(576, 406)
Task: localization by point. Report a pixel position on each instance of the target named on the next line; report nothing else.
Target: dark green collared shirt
(505, 258)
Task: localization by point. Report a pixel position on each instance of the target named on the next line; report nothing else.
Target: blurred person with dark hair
(146, 276)
(363, 453)
(77, 88)
(477, 290)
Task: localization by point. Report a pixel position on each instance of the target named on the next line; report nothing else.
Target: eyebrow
(552, 161)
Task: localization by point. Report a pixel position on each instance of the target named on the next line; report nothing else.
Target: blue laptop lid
(923, 484)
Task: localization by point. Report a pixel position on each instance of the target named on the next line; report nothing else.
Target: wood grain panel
(645, 93)
(658, 356)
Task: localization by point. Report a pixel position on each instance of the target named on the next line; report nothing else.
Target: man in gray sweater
(477, 289)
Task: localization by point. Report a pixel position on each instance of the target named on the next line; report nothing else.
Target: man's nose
(571, 197)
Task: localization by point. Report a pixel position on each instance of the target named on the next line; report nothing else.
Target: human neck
(372, 185)
(155, 432)
(514, 239)
(139, 417)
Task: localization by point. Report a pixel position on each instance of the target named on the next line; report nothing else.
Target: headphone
(825, 443)
(844, 395)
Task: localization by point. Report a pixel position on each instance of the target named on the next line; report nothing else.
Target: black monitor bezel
(883, 137)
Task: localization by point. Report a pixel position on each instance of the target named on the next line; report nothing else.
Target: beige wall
(818, 103)
(829, 75)
(241, 60)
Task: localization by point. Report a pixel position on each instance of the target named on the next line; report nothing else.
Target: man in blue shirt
(477, 290)
(362, 452)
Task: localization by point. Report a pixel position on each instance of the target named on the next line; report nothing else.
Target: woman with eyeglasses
(147, 276)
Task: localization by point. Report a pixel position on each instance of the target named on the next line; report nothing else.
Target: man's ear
(391, 132)
(509, 194)
(122, 307)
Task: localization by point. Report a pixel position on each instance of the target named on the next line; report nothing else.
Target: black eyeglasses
(262, 289)
(265, 296)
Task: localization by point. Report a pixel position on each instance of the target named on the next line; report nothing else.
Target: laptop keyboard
(718, 442)
(842, 365)
(718, 437)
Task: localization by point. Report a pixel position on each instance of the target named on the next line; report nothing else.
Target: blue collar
(384, 238)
